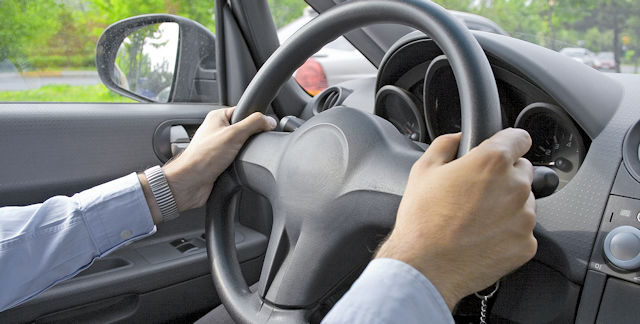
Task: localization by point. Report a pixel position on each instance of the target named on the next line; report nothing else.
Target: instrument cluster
(423, 103)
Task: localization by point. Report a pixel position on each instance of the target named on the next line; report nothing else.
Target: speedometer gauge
(400, 107)
(556, 141)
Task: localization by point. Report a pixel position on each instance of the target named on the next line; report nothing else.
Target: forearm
(390, 291)
(43, 244)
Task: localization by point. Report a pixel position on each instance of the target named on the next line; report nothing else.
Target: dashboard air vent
(329, 98)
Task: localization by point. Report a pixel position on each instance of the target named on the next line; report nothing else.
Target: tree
(614, 15)
(633, 33)
(460, 5)
(26, 24)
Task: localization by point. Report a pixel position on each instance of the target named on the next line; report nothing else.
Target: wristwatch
(162, 193)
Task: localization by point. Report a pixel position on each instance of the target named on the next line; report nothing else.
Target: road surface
(12, 81)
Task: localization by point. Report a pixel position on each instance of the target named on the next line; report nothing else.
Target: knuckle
(255, 117)
(496, 156)
(213, 114)
(526, 163)
(420, 165)
(525, 135)
(440, 140)
(522, 188)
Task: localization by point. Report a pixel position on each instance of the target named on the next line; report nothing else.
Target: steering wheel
(336, 182)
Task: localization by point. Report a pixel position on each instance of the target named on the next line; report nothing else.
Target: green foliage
(65, 93)
(61, 34)
(111, 11)
(594, 24)
(40, 62)
(26, 24)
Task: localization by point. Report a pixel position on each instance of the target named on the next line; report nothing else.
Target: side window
(48, 47)
(336, 62)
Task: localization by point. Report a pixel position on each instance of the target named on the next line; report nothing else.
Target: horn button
(315, 164)
(315, 182)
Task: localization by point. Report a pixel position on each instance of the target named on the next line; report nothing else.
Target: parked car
(339, 61)
(581, 55)
(605, 61)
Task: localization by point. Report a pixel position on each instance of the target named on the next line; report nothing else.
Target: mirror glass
(146, 61)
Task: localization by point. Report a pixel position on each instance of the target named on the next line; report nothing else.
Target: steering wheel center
(310, 175)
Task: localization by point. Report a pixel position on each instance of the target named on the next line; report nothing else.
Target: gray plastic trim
(63, 148)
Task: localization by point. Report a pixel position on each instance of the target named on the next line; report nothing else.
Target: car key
(484, 301)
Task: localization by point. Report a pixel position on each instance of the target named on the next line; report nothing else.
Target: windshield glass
(605, 34)
(602, 34)
(610, 28)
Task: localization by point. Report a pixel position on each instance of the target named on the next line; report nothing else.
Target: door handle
(171, 137)
(179, 139)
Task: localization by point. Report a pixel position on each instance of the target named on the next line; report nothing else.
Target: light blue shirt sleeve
(390, 291)
(43, 244)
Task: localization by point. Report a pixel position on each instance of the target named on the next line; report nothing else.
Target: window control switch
(177, 242)
(186, 247)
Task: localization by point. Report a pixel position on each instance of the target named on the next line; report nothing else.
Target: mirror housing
(194, 78)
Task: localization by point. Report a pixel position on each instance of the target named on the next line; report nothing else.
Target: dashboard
(584, 124)
(420, 98)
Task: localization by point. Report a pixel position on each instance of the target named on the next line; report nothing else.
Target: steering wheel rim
(480, 119)
(470, 65)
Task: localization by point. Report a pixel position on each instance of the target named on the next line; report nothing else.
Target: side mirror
(159, 58)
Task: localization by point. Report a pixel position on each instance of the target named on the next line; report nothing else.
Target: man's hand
(465, 223)
(214, 146)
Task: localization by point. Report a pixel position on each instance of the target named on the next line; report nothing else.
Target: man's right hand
(465, 223)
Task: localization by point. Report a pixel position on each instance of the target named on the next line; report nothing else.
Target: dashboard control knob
(545, 181)
(622, 247)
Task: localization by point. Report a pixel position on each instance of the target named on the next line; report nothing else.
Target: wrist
(151, 201)
(187, 182)
(441, 280)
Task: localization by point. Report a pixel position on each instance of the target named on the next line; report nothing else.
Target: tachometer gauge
(400, 107)
(441, 99)
(556, 141)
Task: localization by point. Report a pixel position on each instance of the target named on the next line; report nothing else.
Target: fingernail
(271, 121)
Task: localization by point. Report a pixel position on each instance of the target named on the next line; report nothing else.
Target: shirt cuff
(390, 291)
(116, 212)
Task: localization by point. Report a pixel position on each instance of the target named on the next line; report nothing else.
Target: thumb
(255, 123)
(442, 150)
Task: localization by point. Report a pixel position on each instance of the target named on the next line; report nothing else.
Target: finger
(442, 150)
(228, 112)
(525, 167)
(513, 142)
(218, 118)
(255, 123)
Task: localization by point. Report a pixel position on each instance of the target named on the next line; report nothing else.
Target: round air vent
(329, 98)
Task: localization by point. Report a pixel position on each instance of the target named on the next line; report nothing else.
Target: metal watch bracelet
(162, 193)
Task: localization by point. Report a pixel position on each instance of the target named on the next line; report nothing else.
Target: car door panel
(51, 149)
(59, 149)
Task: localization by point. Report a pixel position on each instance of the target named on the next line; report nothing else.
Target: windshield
(599, 29)
(602, 34)
(610, 28)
